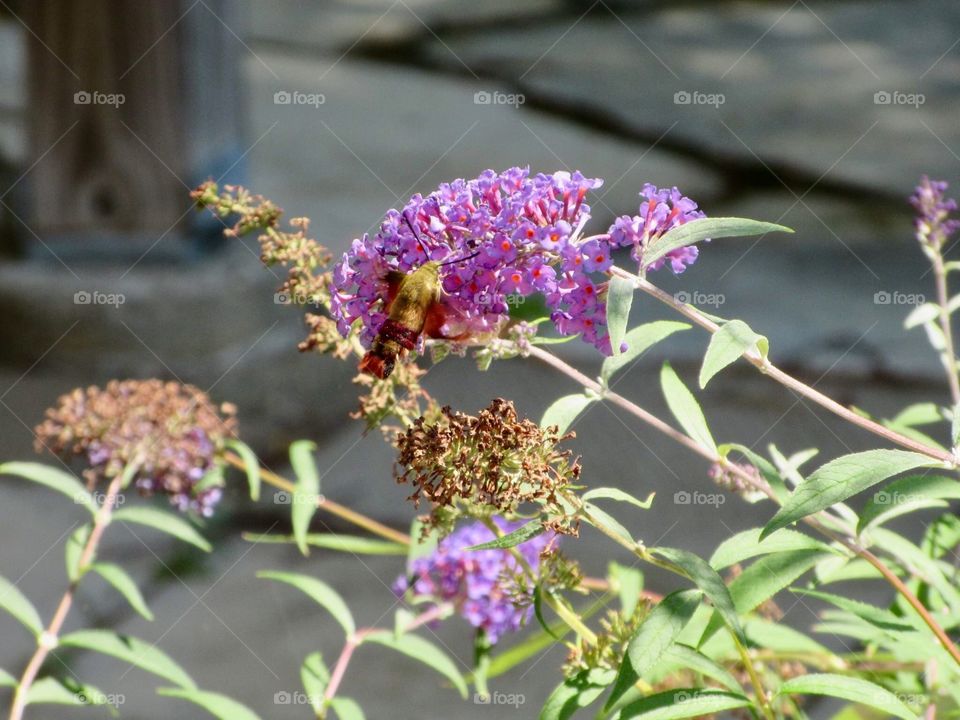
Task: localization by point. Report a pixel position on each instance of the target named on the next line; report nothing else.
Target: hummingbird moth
(413, 309)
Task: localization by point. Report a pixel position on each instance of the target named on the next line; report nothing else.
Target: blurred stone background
(818, 115)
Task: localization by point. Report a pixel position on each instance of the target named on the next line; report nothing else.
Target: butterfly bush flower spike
(477, 582)
(500, 235)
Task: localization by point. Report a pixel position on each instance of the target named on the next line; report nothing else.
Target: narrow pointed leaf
(123, 584)
(638, 341)
(654, 636)
(51, 691)
(683, 656)
(354, 544)
(564, 411)
(130, 650)
(250, 464)
(683, 703)
(306, 493)
(875, 616)
(347, 709)
(619, 299)
(746, 545)
(842, 478)
(7, 680)
(315, 677)
(426, 652)
(13, 601)
(74, 551)
(165, 522)
(704, 228)
(319, 592)
(685, 407)
(220, 706)
(905, 494)
(512, 539)
(732, 340)
(53, 478)
(612, 493)
(848, 688)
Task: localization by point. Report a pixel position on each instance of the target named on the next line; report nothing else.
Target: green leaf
(354, 544)
(769, 575)
(684, 703)
(7, 680)
(564, 411)
(913, 557)
(848, 688)
(681, 656)
(879, 617)
(51, 691)
(627, 582)
(842, 478)
(766, 468)
(904, 495)
(921, 315)
(780, 638)
(512, 539)
(306, 492)
(315, 677)
(426, 652)
(746, 545)
(703, 228)
(123, 584)
(130, 650)
(250, 463)
(164, 522)
(572, 695)
(347, 709)
(708, 580)
(538, 612)
(53, 478)
(603, 519)
(15, 602)
(655, 635)
(220, 706)
(612, 493)
(732, 340)
(638, 341)
(319, 592)
(74, 551)
(619, 299)
(685, 407)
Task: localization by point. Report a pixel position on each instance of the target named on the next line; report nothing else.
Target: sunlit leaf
(319, 592)
(165, 522)
(220, 706)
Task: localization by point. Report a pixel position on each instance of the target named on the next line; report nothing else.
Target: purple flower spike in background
(933, 224)
(660, 211)
(473, 580)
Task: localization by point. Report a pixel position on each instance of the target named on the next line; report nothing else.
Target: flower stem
(324, 503)
(948, 355)
(710, 455)
(48, 639)
(788, 381)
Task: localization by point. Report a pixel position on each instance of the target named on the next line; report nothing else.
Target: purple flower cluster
(472, 580)
(933, 224)
(660, 211)
(501, 235)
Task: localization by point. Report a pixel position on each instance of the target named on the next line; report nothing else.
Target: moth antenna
(416, 235)
(463, 259)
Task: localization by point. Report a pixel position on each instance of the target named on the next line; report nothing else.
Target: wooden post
(131, 103)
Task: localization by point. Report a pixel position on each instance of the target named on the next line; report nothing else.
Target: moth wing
(394, 279)
(437, 316)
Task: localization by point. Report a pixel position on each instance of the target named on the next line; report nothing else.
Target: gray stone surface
(399, 116)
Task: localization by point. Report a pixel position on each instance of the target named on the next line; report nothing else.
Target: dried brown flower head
(493, 463)
(170, 432)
